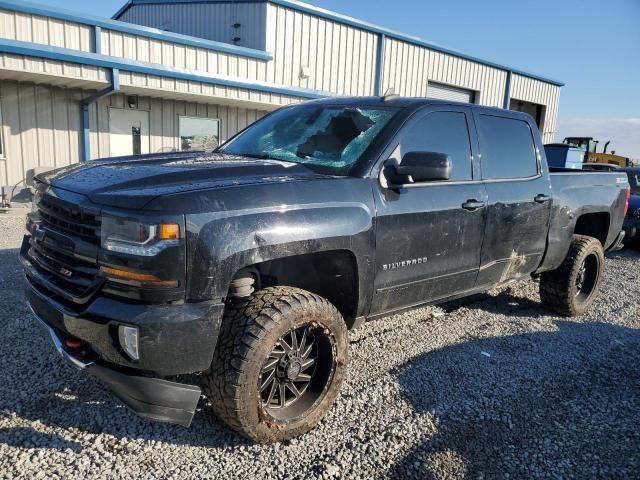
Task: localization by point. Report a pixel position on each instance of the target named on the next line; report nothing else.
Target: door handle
(542, 198)
(474, 204)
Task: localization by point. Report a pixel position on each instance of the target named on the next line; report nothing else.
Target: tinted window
(508, 150)
(441, 132)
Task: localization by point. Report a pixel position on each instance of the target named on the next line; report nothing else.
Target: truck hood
(132, 182)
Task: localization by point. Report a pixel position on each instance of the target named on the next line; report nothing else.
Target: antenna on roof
(390, 95)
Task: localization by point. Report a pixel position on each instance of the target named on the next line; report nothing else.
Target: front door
(129, 132)
(429, 236)
(519, 192)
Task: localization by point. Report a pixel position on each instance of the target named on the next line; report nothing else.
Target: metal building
(167, 75)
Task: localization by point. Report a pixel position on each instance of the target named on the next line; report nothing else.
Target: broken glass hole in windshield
(335, 137)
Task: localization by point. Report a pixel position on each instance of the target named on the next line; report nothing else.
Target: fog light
(129, 341)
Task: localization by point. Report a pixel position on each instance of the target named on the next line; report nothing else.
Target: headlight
(135, 238)
(37, 197)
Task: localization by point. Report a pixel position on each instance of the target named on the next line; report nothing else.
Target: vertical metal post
(97, 39)
(507, 91)
(86, 119)
(86, 133)
(380, 65)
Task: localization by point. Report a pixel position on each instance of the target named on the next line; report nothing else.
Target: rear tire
(572, 288)
(279, 364)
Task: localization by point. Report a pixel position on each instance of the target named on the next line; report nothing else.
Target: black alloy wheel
(297, 372)
(587, 277)
(280, 361)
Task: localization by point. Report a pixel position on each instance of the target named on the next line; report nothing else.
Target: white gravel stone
(556, 398)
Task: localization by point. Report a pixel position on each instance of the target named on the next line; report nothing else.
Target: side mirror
(421, 167)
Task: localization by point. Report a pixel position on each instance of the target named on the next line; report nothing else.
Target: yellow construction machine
(591, 155)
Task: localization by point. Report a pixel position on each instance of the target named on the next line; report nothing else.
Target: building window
(199, 133)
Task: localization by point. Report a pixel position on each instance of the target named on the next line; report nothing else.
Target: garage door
(445, 92)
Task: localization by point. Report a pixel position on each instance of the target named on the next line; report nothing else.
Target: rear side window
(441, 132)
(508, 149)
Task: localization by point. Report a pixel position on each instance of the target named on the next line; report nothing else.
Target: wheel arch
(595, 224)
(331, 274)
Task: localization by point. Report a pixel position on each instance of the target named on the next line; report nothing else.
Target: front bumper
(151, 398)
(174, 339)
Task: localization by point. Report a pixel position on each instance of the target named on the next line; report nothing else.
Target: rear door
(519, 192)
(429, 236)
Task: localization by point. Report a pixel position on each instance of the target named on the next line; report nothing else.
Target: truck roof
(406, 103)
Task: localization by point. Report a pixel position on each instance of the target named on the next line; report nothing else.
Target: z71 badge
(405, 263)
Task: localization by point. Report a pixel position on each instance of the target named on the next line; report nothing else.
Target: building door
(129, 132)
(447, 92)
(533, 109)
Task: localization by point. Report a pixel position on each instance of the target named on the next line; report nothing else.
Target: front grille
(69, 219)
(63, 250)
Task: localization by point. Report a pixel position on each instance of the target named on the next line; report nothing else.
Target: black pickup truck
(250, 264)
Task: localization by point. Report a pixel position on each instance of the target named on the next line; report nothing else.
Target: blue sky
(591, 45)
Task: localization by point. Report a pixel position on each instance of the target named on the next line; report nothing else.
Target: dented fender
(251, 225)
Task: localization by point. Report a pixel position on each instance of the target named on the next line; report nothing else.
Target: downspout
(86, 103)
(507, 91)
(380, 65)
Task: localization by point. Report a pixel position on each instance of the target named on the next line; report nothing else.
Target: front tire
(279, 365)
(572, 288)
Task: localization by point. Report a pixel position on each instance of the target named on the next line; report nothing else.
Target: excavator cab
(589, 146)
(586, 144)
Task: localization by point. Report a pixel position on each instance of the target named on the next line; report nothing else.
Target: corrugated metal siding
(341, 58)
(173, 87)
(67, 72)
(213, 21)
(163, 121)
(41, 127)
(143, 49)
(535, 91)
(409, 68)
(47, 31)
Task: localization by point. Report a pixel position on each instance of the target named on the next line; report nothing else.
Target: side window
(441, 132)
(508, 149)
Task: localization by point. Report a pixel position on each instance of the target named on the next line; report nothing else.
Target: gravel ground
(497, 388)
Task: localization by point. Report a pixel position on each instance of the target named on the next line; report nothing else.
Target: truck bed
(581, 192)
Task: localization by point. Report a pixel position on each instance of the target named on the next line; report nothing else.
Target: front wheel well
(332, 275)
(594, 225)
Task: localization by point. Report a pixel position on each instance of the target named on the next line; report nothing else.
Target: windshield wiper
(263, 156)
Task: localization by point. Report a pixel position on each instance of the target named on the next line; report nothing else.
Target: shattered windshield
(329, 136)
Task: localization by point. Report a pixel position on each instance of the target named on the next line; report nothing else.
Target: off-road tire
(558, 290)
(250, 330)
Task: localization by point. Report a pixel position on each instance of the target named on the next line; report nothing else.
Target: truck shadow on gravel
(562, 403)
(23, 437)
